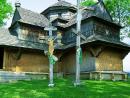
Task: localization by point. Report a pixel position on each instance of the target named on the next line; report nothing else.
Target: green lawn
(64, 89)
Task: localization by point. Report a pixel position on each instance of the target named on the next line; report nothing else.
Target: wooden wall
(28, 62)
(86, 29)
(106, 30)
(34, 61)
(109, 60)
(68, 62)
(31, 33)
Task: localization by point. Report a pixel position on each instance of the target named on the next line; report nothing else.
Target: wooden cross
(51, 46)
(50, 29)
(81, 35)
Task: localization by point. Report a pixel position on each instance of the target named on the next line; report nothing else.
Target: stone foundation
(102, 75)
(6, 76)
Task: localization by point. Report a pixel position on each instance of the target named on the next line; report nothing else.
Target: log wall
(31, 34)
(109, 60)
(28, 62)
(33, 61)
(68, 62)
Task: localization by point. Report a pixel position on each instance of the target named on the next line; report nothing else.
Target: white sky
(40, 5)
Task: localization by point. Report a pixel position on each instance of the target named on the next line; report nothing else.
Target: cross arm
(82, 36)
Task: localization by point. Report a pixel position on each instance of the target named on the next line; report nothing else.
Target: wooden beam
(96, 51)
(4, 60)
(124, 54)
(81, 35)
(18, 54)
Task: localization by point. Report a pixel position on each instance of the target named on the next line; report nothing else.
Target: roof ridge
(61, 3)
(64, 2)
(31, 17)
(30, 11)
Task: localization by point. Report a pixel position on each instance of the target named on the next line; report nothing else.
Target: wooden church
(21, 49)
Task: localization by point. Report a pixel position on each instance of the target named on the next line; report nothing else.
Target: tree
(5, 11)
(120, 11)
(88, 2)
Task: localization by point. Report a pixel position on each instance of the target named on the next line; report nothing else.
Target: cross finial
(17, 3)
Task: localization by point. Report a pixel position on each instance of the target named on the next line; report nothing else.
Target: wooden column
(90, 75)
(4, 60)
(100, 75)
(113, 77)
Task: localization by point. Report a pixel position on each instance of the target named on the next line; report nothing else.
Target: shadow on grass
(64, 89)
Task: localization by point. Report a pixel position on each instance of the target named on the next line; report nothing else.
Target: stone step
(10, 76)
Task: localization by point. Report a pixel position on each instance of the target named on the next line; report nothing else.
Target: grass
(64, 89)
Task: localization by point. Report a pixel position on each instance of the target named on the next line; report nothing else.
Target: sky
(40, 5)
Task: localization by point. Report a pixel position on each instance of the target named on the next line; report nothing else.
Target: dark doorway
(1, 57)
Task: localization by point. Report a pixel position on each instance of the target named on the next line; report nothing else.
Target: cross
(81, 35)
(50, 29)
(78, 39)
(51, 49)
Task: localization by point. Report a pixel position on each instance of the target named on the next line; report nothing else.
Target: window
(107, 32)
(23, 34)
(52, 17)
(66, 15)
(71, 35)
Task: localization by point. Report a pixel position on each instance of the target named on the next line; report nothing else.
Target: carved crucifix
(50, 52)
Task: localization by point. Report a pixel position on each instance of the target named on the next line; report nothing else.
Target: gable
(16, 17)
(102, 12)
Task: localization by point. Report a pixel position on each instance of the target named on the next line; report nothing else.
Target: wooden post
(113, 77)
(126, 77)
(79, 17)
(4, 61)
(90, 75)
(100, 75)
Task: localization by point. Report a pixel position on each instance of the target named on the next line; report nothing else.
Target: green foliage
(120, 11)
(88, 3)
(128, 34)
(64, 89)
(5, 11)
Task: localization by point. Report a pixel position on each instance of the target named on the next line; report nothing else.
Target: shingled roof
(61, 4)
(99, 39)
(6, 39)
(98, 11)
(30, 17)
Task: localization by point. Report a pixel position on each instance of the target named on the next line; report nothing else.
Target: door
(1, 57)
